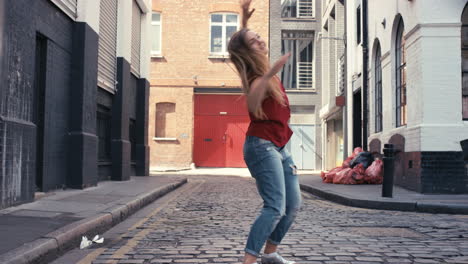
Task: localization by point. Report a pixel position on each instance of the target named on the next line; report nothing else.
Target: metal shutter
(107, 62)
(136, 37)
(67, 6)
(305, 9)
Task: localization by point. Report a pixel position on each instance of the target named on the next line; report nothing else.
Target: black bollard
(388, 163)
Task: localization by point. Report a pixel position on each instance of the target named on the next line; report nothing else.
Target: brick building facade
(333, 70)
(190, 64)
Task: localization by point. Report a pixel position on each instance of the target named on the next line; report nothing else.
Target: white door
(302, 146)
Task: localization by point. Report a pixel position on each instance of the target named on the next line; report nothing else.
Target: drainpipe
(345, 93)
(365, 73)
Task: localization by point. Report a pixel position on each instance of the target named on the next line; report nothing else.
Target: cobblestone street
(207, 221)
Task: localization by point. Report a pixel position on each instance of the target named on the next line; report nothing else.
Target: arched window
(464, 51)
(400, 63)
(378, 88)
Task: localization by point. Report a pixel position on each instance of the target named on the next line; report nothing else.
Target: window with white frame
(156, 33)
(297, 8)
(222, 26)
(298, 72)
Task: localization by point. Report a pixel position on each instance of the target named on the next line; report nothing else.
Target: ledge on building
(164, 139)
(289, 90)
(218, 56)
(157, 56)
(298, 19)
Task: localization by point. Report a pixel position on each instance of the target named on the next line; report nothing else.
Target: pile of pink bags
(357, 175)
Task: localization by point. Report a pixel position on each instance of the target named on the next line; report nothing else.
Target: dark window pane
(216, 18)
(288, 8)
(216, 39)
(305, 50)
(465, 107)
(231, 18)
(400, 61)
(378, 91)
(229, 31)
(464, 36)
(156, 17)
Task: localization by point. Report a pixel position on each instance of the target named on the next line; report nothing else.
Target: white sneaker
(276, 259)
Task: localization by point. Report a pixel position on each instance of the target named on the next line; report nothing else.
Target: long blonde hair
(250, 65)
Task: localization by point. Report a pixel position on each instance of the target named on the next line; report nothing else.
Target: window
(378, 89)
(156, 33)
(358, 25)
(165, 120)
(400, 61)
(298, 71)
(297, 9)
(464, 45)
(222, 27)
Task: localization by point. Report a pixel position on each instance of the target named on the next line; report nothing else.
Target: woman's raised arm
(246, 13)
(259, 86)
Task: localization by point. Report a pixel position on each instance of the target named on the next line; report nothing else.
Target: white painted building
(417, 98)
(332, 40)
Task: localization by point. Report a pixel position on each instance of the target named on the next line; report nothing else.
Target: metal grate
(107, 61)
(305, 77)
(341, 75)
(305, 9)
(67, 6)
(136, 38)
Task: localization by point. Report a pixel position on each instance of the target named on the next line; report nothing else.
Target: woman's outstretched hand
(246, 13)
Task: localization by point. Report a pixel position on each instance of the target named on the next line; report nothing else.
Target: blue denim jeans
(278, 185)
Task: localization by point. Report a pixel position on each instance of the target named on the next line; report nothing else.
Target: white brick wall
(432, 29)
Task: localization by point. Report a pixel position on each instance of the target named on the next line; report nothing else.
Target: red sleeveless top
(275, 127)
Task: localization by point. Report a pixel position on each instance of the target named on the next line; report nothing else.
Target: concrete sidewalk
(40, 231)
(370, 196)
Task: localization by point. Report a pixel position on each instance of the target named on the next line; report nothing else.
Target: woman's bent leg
(293, 199)
(269, 175)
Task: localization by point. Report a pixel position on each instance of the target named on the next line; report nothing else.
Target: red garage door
(220, 125)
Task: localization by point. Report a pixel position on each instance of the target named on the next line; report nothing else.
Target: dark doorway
(357, 120)
(39, 106)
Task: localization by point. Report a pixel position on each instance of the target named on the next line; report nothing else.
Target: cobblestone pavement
(209, 221)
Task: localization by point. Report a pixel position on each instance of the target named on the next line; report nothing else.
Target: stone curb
(48, 247)
(435, 208)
